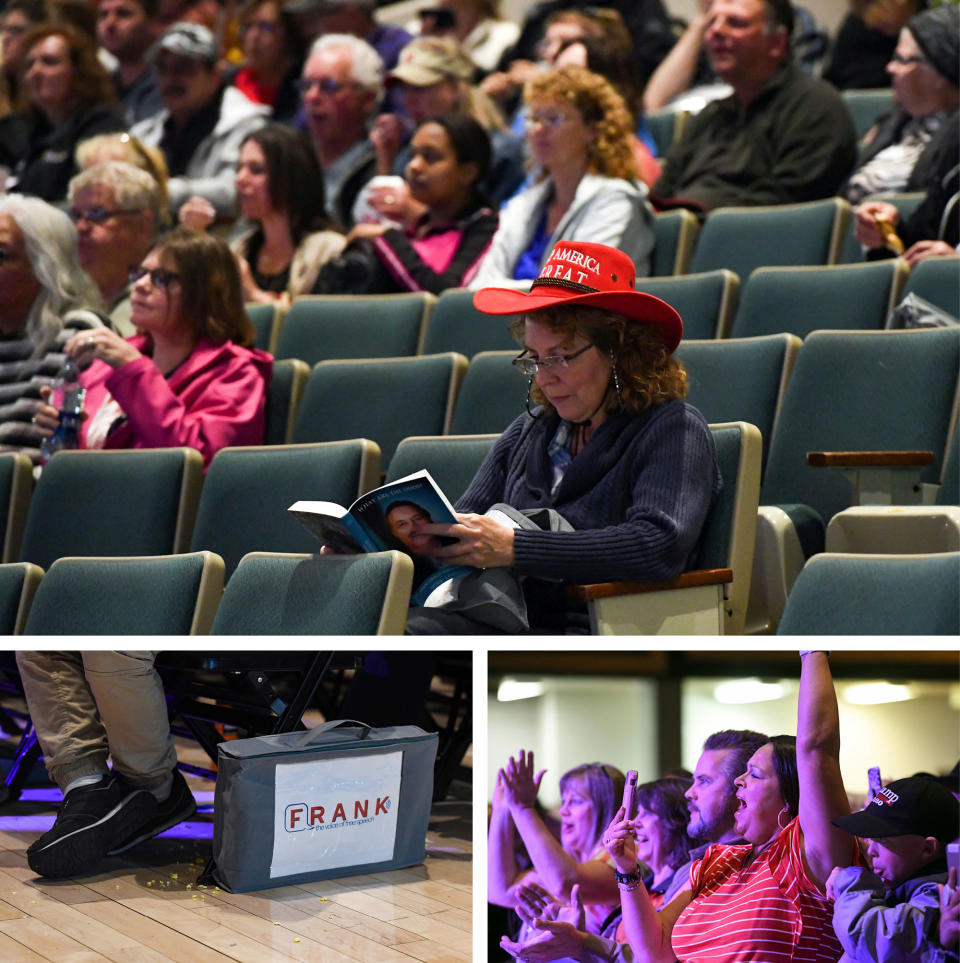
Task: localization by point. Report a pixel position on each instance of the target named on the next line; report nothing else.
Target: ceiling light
(740, 691)
(510, 690)
(876, 693)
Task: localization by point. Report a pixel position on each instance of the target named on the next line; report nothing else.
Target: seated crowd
(306, 148)
(756, 856)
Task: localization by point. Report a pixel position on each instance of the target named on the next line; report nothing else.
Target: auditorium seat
(277, 594)
(799, 300)
(843, 594)
(321, 327)
(744, 238)
(243, 506)
(384, 399)
(136, 502)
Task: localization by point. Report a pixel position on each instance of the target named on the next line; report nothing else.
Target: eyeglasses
(14, 29)
(159, 278)
(547, 118)
(326, 84)
(900, 59)
(530, 366)
(99, 215)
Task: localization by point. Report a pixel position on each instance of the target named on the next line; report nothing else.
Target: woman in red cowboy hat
(607, 442)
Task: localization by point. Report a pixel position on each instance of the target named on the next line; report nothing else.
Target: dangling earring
(779, 814)
(616, 380)
(529, 390)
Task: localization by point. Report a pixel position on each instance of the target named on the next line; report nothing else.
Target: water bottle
(67, 395)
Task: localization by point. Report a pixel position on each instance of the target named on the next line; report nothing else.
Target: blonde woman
(579, 134)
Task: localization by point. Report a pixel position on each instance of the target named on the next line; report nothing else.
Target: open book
(391, 516)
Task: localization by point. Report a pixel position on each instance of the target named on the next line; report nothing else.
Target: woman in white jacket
(578, 129)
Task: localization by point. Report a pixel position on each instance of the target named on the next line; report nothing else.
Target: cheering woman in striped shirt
(764, 901)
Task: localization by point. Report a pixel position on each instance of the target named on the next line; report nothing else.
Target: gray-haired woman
(45, 297)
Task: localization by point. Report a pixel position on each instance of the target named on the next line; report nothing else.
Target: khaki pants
(88, 705)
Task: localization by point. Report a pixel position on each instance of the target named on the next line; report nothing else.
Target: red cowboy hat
(578, 272)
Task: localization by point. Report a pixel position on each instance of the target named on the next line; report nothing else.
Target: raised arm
(556, 869)
(676, 71)
(502, 869)
(822, 796)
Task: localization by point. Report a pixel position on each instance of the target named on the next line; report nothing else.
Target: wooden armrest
(605, 590)
(869, 459)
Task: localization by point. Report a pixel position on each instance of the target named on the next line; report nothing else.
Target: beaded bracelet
(629, 887)
(633, 877)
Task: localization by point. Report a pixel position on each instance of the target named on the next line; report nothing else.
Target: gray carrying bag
(337, 800)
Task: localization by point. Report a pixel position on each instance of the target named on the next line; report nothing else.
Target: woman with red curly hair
(579, 133)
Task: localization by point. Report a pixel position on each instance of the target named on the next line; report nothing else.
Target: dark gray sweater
(637, 495)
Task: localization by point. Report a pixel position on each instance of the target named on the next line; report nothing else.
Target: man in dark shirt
(127, 29)
(781, 137)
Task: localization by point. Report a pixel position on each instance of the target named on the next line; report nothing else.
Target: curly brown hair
(599, 105)
(648, 374)
(212, 295)
(91, 82)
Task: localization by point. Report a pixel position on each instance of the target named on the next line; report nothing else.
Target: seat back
(861, 391)
(665, 127)
(799, 300)
(18, 585)
(383, 399)
(875, 595)
(151, 595)
(452, 460)
(266, 319)
(16, 486)
(937, 280)
(283, 399)
(321, 327)
(491, 396)
(674, 236)
(744, 238)
(243, 507)
(706, 302)
(456, 325)
(949, 491)
(140, 502)
(274, 594)
(720, 388)
(866, 106)
(728, 533)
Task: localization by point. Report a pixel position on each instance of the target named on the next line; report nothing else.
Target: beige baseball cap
(428, 60)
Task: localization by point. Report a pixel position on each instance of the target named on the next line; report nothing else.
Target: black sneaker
(177, 807)
(89, 821)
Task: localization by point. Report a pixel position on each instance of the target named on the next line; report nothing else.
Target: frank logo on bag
(301, 816)
(336, 812)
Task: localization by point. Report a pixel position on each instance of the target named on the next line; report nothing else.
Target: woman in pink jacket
(190, 376)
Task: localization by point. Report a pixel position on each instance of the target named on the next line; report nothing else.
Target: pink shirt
(215, 398)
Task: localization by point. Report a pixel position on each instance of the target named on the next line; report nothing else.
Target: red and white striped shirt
(769, 912)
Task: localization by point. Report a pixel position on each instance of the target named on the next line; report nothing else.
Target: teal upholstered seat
(317, 595)
(875, 595)
(243, 507)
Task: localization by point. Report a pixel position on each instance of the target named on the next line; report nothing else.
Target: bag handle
(345, 723)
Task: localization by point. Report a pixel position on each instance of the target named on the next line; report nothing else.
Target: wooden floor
(145, 906)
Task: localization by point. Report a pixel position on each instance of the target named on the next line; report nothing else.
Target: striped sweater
(23, 373)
